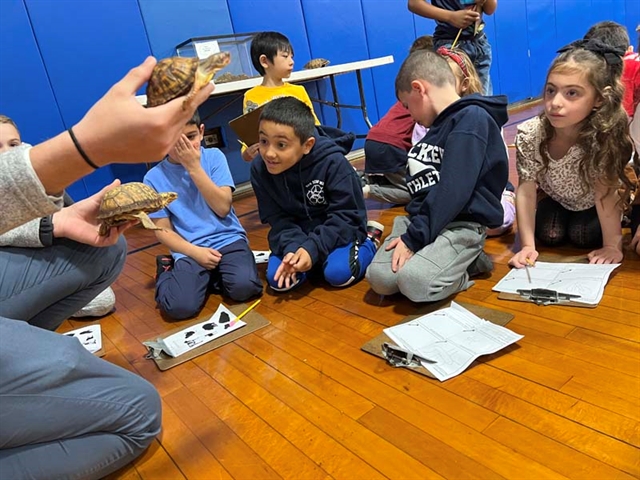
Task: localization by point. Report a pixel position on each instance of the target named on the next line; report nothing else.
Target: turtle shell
(316, 63)
(130, 198)
(171, 78)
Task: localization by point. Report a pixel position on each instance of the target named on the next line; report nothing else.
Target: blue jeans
(45, 286)
(66, 413)
(479, 51)
(342, 267)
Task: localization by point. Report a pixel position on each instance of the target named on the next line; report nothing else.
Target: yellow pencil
(242, 143)
(254, 305)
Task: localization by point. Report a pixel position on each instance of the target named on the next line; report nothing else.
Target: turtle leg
(146, 221)
(104, 229)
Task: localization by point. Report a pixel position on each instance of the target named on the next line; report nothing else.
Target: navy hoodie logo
(423, 164)
(315, 192)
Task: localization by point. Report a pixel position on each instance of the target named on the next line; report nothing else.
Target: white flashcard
(90, 337)
(261, 256)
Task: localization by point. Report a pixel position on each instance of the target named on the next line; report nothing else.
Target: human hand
(526, 256)
(463, 18)
(79, 221)
(186, 154)
(251, 152)
(401, 254)
(208, 258)
(300, 261)
(118, 129)
(635, 241)
(286, 274)
(605, 255)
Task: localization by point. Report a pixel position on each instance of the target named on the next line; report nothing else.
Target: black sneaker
(164, 263)
(374, 232)
(481, 265)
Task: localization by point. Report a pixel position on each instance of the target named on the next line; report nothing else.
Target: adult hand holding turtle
(116, 129)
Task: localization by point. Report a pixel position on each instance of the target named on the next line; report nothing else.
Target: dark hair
(609, 32)
(604, 135)
(424, 65)
(268, 44)
(424, 42)
(195, 120)
(291, 112)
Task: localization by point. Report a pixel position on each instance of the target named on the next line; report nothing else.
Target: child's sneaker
(374, 232)
(164, 263)
(480, 266)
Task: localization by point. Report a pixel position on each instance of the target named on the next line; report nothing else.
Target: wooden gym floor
(300, 400)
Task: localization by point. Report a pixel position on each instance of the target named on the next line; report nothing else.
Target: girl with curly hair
(571, 158)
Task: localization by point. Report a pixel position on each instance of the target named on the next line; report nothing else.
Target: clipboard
(521, 298)
(375, 345)
(246, 126)
(254, 321)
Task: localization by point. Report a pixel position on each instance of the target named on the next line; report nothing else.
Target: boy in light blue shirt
(209, 247)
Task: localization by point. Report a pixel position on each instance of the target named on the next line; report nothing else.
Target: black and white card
(90, 337)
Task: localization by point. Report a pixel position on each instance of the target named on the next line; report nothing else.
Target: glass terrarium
(238, 45)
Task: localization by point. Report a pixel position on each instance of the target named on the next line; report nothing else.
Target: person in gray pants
(456, 175)
(63, 412)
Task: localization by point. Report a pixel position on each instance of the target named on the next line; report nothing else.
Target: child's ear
(308, 145)
(264, 61)
(464, 85)
(201, 129)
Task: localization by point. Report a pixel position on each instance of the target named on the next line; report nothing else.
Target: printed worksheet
(223, 321)
(451, 338)
(585, 280)
(90, 337)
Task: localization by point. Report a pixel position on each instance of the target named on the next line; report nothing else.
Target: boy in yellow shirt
(272, 57)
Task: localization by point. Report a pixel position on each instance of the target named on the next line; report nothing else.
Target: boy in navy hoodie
(311, 197)
(455, 175)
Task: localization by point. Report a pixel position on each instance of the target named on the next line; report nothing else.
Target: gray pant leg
(396, 193)
(435, 272)
(440, 269)
(379, 274)
(45, 286)
(65, 413)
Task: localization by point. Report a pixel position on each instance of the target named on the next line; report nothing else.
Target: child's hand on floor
(207, 257)
(605, 255)
(635, 241)
(526, 256)
(401, 254)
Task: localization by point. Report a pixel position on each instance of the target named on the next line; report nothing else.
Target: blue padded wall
(87, 47)
(25, 92)
(542, 41)
(402, 31)
(632, 20)
(510, 45)
(342, 40)
(171, 22)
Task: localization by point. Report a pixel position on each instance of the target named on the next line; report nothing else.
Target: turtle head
(211, 65)
(168, 197)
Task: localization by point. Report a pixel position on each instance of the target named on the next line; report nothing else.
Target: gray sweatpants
(395, 191)
(65, 413)
(45, 286)
(437, 271)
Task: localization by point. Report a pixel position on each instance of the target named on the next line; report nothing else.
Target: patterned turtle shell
(172, 77)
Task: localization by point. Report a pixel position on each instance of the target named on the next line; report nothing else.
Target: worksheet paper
(586, 280)
(452, 338)
(90, 337)
(220, 323)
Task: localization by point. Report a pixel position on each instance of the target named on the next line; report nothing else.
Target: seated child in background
(386, 147)
(456, 175)
(468, 82)
(571, 158)
(272, 57)
(310, 195)
(208, 244)
(31, 247)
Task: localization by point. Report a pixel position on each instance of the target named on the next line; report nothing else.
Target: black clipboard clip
(399, 357)
(544, 296)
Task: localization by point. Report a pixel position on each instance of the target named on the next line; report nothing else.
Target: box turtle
(131, 201)
(176, 76)
(316, 63)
